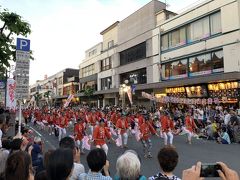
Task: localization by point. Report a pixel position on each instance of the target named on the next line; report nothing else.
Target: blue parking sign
(23, 44)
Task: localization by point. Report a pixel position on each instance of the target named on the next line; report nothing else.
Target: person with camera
(225, 173)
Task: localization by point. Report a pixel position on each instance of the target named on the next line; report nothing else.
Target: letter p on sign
(23, 44)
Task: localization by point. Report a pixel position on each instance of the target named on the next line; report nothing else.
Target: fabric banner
(10, 98)
(129, 93)
(137, 135)
(69, 99)
(85, 144)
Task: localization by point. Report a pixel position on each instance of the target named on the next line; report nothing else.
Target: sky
(63, 29)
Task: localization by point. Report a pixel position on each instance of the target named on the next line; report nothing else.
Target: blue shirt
(226, 137)
(93, 176)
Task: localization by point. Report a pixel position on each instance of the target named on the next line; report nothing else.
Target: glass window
(106, 83)
(110, 44)
(164, 44)
(175, 70)
(200, 65)
(132, 54)
(135, 77)
(217, 61)
(177, 37)
(215, 22)
(198, 30)
(106, 64)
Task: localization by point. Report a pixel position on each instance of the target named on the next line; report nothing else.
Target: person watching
(19, 166)
(168, 160)
(68, 142)
(129, 166)
(60, 164)
(97, 161)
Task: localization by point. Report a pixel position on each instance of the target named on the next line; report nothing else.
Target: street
(201, 150)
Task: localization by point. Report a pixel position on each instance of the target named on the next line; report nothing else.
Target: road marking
(50, 144)
(35, 131)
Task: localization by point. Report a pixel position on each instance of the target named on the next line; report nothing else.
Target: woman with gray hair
(128, 167)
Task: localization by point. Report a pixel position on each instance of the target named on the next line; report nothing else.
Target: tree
(88, 92)
(11, 25)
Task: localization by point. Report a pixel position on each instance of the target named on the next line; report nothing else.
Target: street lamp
(122, 90)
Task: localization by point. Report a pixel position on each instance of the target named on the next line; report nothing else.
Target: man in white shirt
(68, 142)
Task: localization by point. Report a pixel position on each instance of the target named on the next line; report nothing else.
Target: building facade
(194, 54)
(56, 88)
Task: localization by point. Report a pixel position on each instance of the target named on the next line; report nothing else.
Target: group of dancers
(99, 127)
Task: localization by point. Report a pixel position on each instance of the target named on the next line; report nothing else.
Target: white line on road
(38, 133)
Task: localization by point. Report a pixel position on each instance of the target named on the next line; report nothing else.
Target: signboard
(23, 44)
(10, 98)
(22, 68)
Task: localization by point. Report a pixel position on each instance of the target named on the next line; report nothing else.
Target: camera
(210, 170)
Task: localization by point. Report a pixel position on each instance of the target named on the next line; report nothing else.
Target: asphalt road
(200, 150)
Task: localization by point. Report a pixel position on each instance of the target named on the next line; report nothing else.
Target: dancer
(167, 127)
(100, 134)
(146, 129)
(189, 127)
(122, 126)
(79, 132)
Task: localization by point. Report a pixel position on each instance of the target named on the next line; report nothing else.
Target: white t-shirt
(77, 169)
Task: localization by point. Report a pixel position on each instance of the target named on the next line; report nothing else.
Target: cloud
(63, 29)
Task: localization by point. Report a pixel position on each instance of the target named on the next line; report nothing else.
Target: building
(193, 54)
(57, 87)
(199, 50)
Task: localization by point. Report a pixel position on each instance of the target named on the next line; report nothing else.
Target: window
(106, 83)
(110, 44)
(135, 77)
(89, 84)
(198, 30)
(175, 70)
(91, 53)
(217, 61)
(200, 65)
(215, 22)
(132, 54)
(194, 66)
(106, 64)
(87, 71)
(177, 37)
(164, 42)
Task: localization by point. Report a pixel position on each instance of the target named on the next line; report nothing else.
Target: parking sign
(23, 44)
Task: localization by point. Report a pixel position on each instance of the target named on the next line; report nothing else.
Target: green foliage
(12, 26)
(88, 91)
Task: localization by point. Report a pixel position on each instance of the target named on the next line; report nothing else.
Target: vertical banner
(69, 99)
(133, 88)
(129, 93)
(11, 100)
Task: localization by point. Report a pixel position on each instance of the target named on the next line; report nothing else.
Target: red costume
(79, 131)
(123, 125)
(166, 123)
(190, 124)
(145, 129)
(99, 135)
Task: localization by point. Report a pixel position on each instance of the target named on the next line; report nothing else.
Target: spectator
(224, 137)
(16, 145)
(168, 160)
(194, 173)
(2, 120)
(36, 153)
(68, 142)
(43, 174)
(60, 164)
(97, 160)
(129, 166)
(4, 152)
(19, 166)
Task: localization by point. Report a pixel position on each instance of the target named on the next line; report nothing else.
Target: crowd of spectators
(24, 158)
